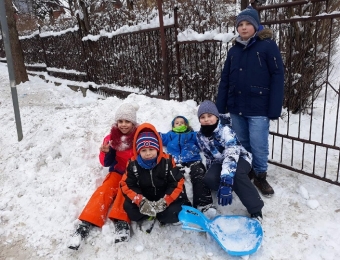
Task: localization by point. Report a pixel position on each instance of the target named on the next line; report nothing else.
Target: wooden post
(163, 46)
(244, 4)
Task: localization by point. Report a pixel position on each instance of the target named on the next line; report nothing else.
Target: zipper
(275, 62)
(180, 148)
(258, 56)
(153, 185)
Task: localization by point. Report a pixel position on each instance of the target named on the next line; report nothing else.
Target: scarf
(120, 141)
(180, 129)
(146, 164)
(207, 130)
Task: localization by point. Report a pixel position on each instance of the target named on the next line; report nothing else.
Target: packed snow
(47, 178)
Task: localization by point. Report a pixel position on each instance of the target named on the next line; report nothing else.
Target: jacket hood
(146, 127)
(265, 34)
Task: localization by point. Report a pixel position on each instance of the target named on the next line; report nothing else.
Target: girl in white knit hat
(115, 152)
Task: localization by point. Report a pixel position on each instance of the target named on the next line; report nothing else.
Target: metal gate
(306, 138)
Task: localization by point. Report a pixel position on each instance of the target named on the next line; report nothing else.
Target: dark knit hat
(185, 120)
(147, 140)
(127, 111)
(209, 107)
(250, 15)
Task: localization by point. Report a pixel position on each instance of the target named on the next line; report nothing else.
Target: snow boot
(122, 231)
(146, 225)
(261, 183)
(79, 235)
(251, 174)
(208, 210)
(258, 216)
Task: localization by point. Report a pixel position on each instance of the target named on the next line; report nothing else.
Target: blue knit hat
(250, 15)
(209, 107)
(185, 120)
(147, 140)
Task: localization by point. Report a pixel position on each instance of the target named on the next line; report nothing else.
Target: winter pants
(243, 187)
(169, 215)
(201, 192)
(98, 206)
(117, 212)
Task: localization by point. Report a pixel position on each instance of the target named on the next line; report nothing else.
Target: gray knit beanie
(209, 107)
(127, 111)
(250, 15)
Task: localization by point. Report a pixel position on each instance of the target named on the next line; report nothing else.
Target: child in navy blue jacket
(181, 143)
(251, 90)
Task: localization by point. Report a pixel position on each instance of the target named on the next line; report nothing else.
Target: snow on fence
(131, 58)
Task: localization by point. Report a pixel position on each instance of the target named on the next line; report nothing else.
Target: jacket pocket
(259, 98)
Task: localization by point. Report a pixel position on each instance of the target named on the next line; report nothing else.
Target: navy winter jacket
(252, 79)
(183, 147)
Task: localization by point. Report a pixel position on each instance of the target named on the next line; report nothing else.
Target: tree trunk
(16, 50)
(244, 4)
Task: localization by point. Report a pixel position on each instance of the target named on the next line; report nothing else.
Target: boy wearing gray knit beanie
(227, 162)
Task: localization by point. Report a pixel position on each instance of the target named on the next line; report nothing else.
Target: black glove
(182, 171)
(146, 208)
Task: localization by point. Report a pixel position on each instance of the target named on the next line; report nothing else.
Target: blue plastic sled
(237, 235)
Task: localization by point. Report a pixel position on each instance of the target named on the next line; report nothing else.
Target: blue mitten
(224, 191)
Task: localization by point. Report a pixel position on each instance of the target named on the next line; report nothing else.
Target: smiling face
(179, 122)
(148, 153)
(125, 126)
(208, 119)
(245, 30)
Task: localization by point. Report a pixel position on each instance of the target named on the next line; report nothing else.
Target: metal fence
(307, 139)
(131, 59)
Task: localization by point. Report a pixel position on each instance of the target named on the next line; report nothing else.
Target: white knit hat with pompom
(127, 111)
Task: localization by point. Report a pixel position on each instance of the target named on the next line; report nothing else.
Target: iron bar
(10, 66)
(163, 46)
(304, 172)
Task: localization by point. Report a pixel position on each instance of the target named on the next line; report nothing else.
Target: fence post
(164, 53)
(80, 33)
(179, 72)
(43, 47)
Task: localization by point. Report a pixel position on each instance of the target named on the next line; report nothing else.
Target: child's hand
(105, 148)
(160, 205)
(146, 208)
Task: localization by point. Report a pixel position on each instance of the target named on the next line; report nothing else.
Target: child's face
(148, 153)
(125, 126)
(245, 30)
(208, 119)
(179, 122)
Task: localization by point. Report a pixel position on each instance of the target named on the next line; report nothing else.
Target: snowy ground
(47, 178)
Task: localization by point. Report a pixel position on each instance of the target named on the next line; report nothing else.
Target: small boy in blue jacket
(181, 143)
